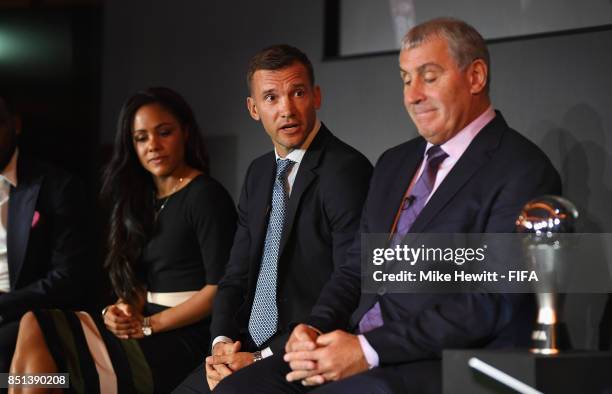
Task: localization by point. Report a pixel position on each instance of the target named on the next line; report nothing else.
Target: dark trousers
(8, 337)
(268, 376)
(194, 383)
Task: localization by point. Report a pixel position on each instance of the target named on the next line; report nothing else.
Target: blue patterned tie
(264, 313)
(411, 208)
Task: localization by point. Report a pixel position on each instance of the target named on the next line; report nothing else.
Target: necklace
(165, 201)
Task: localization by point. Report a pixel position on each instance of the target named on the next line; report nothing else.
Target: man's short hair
(277, 57)
(464, 41)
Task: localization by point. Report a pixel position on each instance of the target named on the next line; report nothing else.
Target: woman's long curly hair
(130, 192)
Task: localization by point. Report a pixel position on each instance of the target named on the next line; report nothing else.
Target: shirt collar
(297, 155)
(460, 142)
(10, 171)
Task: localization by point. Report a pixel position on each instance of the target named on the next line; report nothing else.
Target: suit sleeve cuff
(218, 339)
(313, 328)
(368, 351)
(267, 352)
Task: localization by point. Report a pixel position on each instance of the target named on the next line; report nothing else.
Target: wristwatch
(257, 356)
(147, 330)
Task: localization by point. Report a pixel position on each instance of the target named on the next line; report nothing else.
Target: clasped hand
(316, 359)
(226, 359)
(124, 321)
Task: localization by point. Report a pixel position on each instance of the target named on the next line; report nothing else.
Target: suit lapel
(262, 198)
(22, 204)
(305, 176)
(476, 156)
(390, 195)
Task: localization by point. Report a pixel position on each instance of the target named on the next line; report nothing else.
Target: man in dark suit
(298, 211)
(468, 172)
(42, 239)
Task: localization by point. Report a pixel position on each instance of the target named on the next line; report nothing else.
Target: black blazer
(322, 217)
(46, 240)
(484, 192)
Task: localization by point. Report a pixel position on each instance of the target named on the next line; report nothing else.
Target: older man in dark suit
(468, 172)
(299, 209)
(42, 237)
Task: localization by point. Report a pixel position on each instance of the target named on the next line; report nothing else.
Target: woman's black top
(193, 234)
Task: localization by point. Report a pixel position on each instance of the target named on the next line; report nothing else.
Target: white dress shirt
(8, 178)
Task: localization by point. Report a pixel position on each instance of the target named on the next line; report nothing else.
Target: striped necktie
(411, 208)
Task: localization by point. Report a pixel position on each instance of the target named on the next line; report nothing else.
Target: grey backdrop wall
(556, 90)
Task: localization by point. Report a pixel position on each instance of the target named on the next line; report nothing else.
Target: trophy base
(549, 339)
(545, 352)
(544, 337)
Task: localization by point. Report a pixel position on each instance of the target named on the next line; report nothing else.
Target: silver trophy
(543, 220)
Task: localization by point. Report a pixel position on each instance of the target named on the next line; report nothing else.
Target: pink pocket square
(35, 219)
